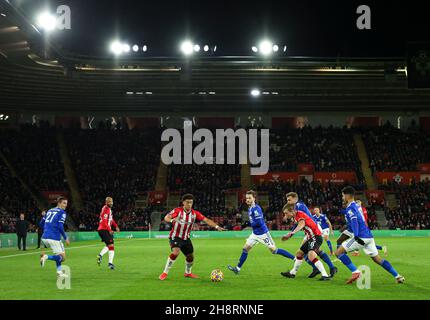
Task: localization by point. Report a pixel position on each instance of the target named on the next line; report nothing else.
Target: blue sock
(378, 247)
(387, 266)
(242, 258)
(347, 262)
(57, 260)
(330, 246)
(326, 259)
(284, 253)
(310, 262)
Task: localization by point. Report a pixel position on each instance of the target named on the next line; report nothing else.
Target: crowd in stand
(391, 149)
(413, 210)
(207, 183)
(327, 149)
(116, 163)
(121, 163)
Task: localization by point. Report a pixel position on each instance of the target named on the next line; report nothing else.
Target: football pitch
(140, 261)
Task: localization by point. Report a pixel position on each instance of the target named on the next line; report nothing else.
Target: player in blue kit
(293, 198)
(260, 233)
(362, 239)
(324, 223)
(53, 230)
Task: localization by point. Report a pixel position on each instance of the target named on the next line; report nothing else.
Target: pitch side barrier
(10, 239)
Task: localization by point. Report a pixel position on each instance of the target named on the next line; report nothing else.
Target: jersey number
(50, 216)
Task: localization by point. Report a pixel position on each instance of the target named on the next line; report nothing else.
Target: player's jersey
(300, 206)
(106, 219)
(363, 212)
(311, 228)
(256, 220)
(322, 221)
(355, 221)
(53, 224)
(183, 221)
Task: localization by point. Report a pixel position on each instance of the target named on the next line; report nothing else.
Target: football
(217, 275)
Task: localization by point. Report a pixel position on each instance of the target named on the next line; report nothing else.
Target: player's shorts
(56, 245)
(369, 246)
(348, 233)
(265, 239)
(106, 237)
(186, 246)
(326, 232)
(312, 244)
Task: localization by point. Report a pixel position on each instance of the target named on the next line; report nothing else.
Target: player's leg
(327, 239)
(371, 250)
(384, 249)
(249, 244)
(105, 248)
(58, 257)
(341, 254)
(312, 254)
(188, 250)
(267, 240)
(297, 262)
(175, 250)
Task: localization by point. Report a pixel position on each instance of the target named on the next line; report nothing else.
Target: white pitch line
(67, 249)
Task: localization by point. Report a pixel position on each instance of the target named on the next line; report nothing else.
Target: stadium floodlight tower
(116, 47)
(266, 47)
(187, 47)
(46, 21)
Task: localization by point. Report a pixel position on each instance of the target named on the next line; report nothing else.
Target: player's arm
(354, 227)
(115, 225)
(329, 225)
(61, 228)
(170, 216)
(300, 225)
(212, 224)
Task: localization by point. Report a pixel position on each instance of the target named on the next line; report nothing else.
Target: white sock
(188, 266)
(104, 250)
(169, 265)
(111, 255)
(297, 264)
(321, 269)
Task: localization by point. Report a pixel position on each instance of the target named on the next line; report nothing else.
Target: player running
(183, 219)
(293, 199)
(53, 230)
(260, 233)
(326, 227)
(106, 233)
(310, 247)
(362, 239)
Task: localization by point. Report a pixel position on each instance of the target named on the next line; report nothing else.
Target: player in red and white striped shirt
(183, 219)
(106, 233)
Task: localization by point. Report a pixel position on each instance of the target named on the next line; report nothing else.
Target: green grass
(140, 261)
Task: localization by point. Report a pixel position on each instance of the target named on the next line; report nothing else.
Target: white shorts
(56, 245)
(369, 246)
(265, 239)
(326, 232)
(348, 233)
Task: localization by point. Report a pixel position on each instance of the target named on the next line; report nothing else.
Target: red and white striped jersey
(182, 222)
(106, 219)
(311, 228)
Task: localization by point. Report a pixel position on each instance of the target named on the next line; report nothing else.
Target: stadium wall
(10, 239)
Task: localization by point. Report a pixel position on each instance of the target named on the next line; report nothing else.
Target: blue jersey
(256, 219)
(355, 221)
(53, 224)
(322, 221)
(300, 206)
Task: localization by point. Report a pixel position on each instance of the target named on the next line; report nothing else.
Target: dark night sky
(308, 28)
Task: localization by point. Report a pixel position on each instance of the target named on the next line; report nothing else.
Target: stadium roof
(36, 75)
